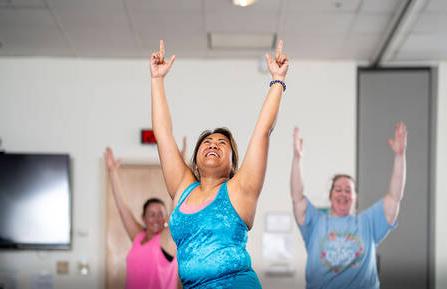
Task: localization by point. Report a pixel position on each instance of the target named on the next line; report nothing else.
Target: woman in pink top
(151, 262)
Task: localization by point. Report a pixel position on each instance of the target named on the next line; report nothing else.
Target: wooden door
(139, 182)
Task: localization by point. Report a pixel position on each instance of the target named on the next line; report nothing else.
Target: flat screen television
(35, 201)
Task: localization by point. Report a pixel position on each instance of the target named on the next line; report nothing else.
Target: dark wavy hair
(150, 202)
(234, 155)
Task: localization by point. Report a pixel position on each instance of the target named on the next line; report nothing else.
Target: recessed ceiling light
(243, 3)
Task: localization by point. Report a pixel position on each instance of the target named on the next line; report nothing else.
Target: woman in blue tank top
(215, 202)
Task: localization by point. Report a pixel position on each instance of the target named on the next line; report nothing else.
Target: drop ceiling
(311, 29)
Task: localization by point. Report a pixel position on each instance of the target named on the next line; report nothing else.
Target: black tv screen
(35, 209)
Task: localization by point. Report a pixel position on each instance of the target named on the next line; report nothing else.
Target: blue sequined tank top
(211, 245)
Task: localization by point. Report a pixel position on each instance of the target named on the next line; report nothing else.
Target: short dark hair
(234, 155)
(339, 176)
(150, 202)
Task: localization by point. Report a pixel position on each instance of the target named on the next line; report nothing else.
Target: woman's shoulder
(187, 183)
(139, 236)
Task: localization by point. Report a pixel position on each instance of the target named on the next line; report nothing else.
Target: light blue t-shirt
(341, 251)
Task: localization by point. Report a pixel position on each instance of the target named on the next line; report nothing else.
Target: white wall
(441, 180)
(81, 106)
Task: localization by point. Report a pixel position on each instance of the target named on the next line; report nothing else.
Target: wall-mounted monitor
(35, 201)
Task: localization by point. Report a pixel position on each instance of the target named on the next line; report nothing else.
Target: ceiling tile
(381, 6)
(317, 23)
(31, 32)
(181, 31)
(370, 23)
(312, 47)
(437, 6)
(430, 22)
(360, 46)
(327, 6)
(96, 27)
(23, 4)
(420, 47)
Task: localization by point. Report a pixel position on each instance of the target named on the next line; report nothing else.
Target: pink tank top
(147, 267)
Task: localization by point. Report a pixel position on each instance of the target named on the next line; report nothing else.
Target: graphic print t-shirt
(341, 251)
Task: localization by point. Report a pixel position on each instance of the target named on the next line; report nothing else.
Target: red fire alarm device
(148, 137)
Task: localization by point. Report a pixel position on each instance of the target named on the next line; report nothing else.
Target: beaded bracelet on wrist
(280, 82)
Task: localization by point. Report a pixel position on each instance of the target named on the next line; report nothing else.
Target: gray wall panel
(385, 97)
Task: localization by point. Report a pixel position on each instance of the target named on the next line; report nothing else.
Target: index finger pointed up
(296, 132)
(279, 46)
(162, 49)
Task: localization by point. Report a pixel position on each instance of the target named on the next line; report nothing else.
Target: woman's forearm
(161, 116)
(130, 224)
(171, 160)
(296, 181)
(397, 182)
(269, 112)
(296, 190)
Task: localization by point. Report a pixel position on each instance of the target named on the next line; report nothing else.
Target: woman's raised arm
(250, 178)
(172, 162)
(129, 221)
(397, 183)
(296, 179)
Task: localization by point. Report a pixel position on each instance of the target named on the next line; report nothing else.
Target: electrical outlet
(62, 267)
